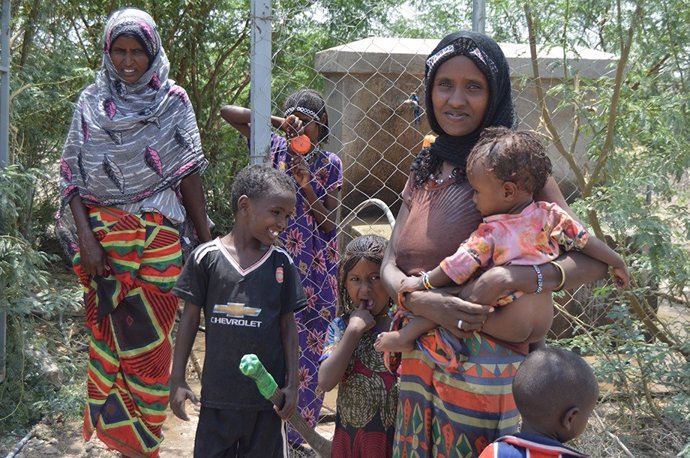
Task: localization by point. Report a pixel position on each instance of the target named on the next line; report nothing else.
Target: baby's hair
(369, 247)
(549, 382)
(312, 101)
(257, 181)
(516, 156)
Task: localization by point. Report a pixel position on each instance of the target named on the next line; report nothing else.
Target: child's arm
(186, 333)
(288, 332)
(600, 251)
(411, 283)
(240, 117)
(436, 278)
(324, 212)
(333, 368)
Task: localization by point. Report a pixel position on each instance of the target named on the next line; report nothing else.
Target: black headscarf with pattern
(485, 53)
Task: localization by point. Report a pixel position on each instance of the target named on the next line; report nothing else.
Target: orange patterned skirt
(130, 314)
(456, 413)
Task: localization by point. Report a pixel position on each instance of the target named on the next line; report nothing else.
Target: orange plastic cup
(300, 145)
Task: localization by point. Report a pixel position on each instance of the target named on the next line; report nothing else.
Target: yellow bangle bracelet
(562, 271)
(425, 281)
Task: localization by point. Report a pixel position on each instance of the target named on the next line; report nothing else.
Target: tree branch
(546, 115)
(613, 107)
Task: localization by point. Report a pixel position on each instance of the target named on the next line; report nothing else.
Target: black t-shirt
(242, 310)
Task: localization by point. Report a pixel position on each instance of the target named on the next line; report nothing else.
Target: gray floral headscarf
(128, 141)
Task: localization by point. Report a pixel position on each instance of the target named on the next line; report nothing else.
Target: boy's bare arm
(184, 340)
(288, 332)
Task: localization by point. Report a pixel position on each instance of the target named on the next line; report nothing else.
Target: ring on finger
(460, 325)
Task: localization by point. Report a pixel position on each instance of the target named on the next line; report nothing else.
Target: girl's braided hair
(313, 102)
(369, 247)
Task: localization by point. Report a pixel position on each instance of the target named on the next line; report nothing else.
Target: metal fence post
(479, 16)
(4, 141)
(260, 91)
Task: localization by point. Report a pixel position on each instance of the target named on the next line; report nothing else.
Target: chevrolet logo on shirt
(236, 309)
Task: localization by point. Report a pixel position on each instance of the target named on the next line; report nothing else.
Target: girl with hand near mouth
(368, 390)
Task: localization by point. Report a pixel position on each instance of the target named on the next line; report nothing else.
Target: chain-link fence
(627, 179)
(374, 94)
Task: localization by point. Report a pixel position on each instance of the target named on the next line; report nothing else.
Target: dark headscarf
(488, 57)
(138, 29)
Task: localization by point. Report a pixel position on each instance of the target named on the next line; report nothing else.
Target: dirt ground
(63, 438)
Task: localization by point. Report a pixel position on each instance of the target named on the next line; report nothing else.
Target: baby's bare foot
(392, 341)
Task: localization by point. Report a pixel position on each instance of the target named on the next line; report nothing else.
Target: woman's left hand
(300, 171)
(442, 306)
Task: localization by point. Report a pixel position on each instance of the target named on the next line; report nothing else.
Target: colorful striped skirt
(456, 414)
(130, 314)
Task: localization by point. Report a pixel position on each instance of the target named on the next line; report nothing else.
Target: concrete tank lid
(393, 55)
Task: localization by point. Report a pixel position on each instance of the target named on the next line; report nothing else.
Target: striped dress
(130, 314)
(449, 413)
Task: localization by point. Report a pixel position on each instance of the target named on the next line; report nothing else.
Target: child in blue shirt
(555, 391)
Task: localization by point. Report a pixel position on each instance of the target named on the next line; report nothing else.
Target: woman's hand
(444, 307)
(300, 171)
(94, 261)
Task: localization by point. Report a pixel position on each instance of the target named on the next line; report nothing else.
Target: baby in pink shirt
(505, 169)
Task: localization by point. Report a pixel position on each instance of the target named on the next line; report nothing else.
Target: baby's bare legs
(403, 339)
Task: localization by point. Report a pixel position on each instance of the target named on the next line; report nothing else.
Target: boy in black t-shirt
(249, 290)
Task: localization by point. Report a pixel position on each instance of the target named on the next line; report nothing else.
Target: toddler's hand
(289, 396)
(410, 284)
(621, 277)
(179, 393)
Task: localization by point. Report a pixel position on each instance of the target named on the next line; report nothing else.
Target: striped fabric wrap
(456, 414)
(130, 314)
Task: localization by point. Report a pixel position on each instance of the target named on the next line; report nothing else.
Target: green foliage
(641, 379)
(639, 200)
(44, 373)
(21, 267)
(28, 291)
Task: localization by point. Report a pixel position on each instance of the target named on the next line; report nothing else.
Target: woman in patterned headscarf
(457, 413)
(131, 192)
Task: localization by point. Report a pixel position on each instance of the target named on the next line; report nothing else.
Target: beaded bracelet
(425, 281)
(540, 280)
(562, 271)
